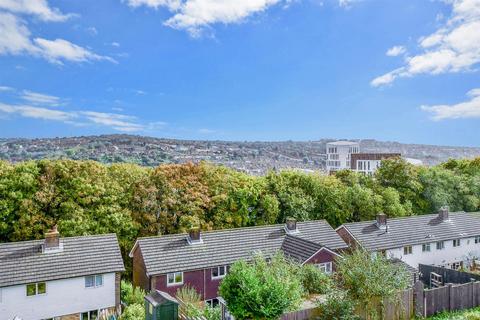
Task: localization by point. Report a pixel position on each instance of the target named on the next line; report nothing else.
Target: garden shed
(160, 305)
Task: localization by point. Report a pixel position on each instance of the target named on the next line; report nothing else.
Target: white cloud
(454, 47)
(467, 109)
(38, 8)
(396, 51)
(195, 16)
(115, 44)
(206, 131)
(15, 39)
(118, 122)
(37, 112)
(6, 88)
(40, 98)
(92, 30)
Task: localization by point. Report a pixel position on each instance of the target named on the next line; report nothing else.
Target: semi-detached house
(449, 239)
(72, 278)
(202, 259)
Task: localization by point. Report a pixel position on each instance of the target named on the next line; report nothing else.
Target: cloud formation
(454, 47)
(16, 38)
(396, 51)
(467, 109)
(40, 98)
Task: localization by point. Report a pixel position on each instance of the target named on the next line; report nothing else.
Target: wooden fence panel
(461, 297)
(437, 300)
(302, 314)
(401, 309)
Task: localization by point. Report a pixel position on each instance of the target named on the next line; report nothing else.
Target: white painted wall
(450, 254)
(341, 156)
(63, 297)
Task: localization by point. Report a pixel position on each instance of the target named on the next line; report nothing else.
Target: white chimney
(194, 236)
(291, 225)
(443, 213)
(382, 221)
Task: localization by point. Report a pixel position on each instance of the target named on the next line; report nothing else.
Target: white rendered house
(338, 154)
(449, 239)
(60, 278)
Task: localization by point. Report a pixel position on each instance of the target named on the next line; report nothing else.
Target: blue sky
(403, 70)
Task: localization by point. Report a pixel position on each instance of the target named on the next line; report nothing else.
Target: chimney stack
(382, 221)
(52, 240)
(291, 225)
(443, 213)
(194, 236)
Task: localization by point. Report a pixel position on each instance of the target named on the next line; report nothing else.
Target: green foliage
(191, 304)
(337, 306)
(133, 312)
(130, 295)
(472, 314)
(212, 313)
(370, 280)
(315, 281)
(261, 289)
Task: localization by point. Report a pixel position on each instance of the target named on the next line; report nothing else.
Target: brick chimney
(291, 225)
(52, 240)
(443, 213)
(194, 236)
(382, 221)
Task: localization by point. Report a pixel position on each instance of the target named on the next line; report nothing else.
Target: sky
(400, 70)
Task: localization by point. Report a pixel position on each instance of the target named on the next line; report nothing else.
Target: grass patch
(471, 314)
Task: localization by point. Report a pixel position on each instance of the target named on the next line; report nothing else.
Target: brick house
(167, 263)
(72, 278)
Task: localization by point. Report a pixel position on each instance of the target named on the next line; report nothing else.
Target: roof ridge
(70, 237)
(409, 217)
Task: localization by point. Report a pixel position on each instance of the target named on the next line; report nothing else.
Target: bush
(261, 289)
(130, 295)
(212, 313)
(338, 307)
(133, 312)
(315, 281)
(191, 304)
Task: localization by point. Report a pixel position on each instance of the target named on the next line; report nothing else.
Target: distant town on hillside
(251, 157)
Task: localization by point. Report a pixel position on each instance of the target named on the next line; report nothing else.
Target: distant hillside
(252, 157)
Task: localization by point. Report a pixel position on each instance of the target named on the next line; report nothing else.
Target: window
(34, 289)
(325, 267)
(456, 242)
(219, 272)
(212, 302)
(440, 245)
(426, 247)
(94, 281)
(477, 239)
(174, 278)
(89, 315)
(456, 265)
(407, 250)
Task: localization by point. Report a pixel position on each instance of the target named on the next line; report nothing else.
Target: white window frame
(409, 251)
(456, 243)
(426, 247)
(174, 283)
(220, 276)
(36, 289)
(440, 245)
(95, 285)
(325, 267)
(477, 240)
(88, 317)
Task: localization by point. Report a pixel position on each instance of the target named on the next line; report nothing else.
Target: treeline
(86, 197)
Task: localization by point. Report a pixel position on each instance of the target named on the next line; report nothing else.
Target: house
(338, 154)
(368, 163)
(449, 239)
(72, 278)
(202, 259)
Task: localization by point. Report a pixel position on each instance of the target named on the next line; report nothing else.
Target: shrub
(338, 307)
(130, 295)
(133, 312)
(315, 281)
(191, 304)
(212, 313)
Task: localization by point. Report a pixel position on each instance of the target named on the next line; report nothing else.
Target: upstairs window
(325, 267)
(456, 242)
(440, 245)
(174, 278)
(426, 247)
(34, 289)
(477, 239)
(94, 281)
(90, 315)
(407, 250)
(219, 272)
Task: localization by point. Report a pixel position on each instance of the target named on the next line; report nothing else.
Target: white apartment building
(74, 278)
(368, 163)
(447, 239)
(338, 154)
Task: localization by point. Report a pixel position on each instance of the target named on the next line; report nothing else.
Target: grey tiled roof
(299, 249)
(170, 253)
(24, 262)
(415, 230)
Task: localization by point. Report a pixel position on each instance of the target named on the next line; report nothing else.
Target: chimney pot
(382, 221)
(291, 225)
(443, 213)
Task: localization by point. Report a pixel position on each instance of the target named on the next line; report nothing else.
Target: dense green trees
(86, 197)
